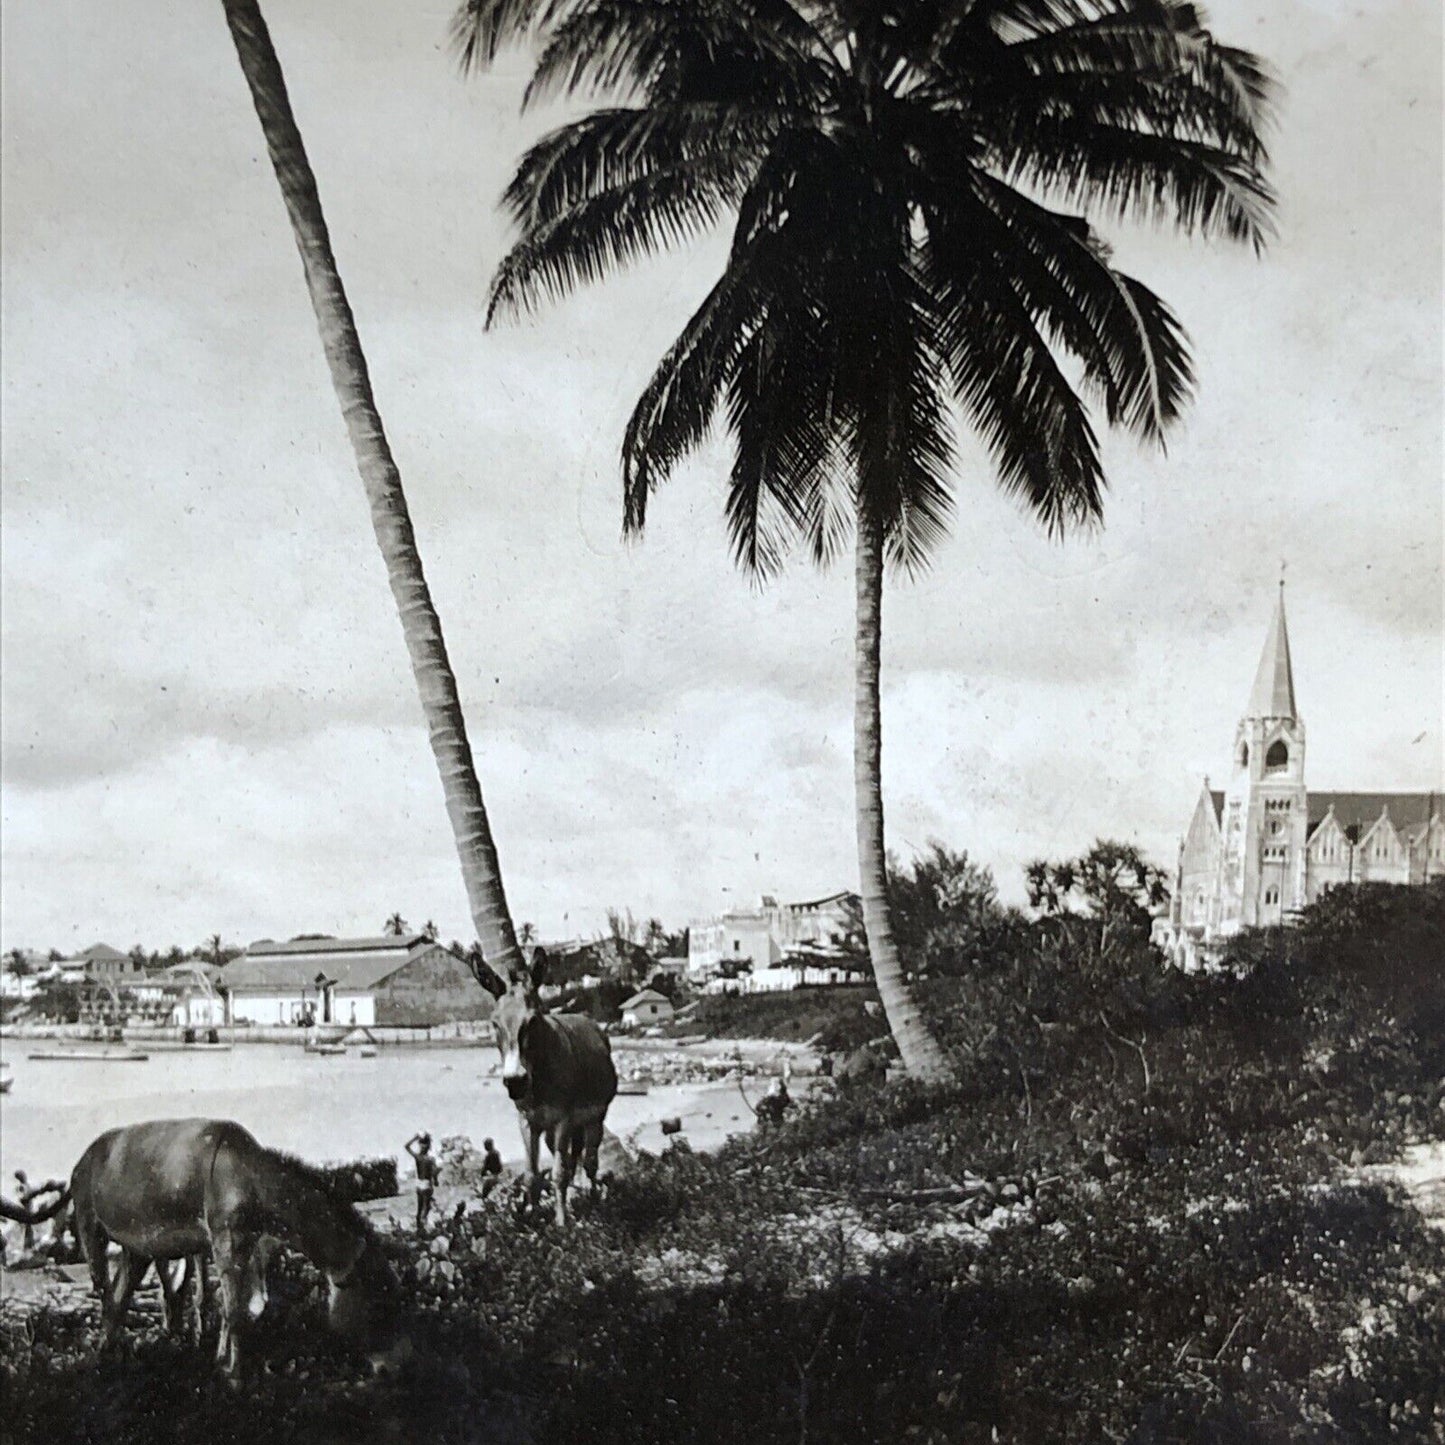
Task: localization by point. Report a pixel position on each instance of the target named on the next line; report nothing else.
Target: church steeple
(1273, 693)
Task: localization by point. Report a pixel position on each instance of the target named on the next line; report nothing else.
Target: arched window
(1277, 756)
(1244, 755)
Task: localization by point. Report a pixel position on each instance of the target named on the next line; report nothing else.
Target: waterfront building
(763, 937)
(402, 980)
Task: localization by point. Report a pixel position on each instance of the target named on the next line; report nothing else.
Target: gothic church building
(1261, 848)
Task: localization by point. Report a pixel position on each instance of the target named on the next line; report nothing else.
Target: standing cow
(557, 1069)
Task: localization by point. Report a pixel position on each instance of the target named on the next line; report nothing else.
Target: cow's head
(514, 1020)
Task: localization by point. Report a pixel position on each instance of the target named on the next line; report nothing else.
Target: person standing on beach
(491, 1167)
(419, 1147)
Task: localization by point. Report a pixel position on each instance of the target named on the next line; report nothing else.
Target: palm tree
(395, 925)
(910, 187)
(382, 483)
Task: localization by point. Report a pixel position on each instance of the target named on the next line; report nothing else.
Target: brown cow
(557, 1069)
(183, 1189)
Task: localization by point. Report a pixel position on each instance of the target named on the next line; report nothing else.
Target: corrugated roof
(360, 968)
(309, 946)
(1360, 810)
(646, 995)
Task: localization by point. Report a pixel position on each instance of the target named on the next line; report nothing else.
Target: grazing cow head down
(363, 1307)
(514, 1023)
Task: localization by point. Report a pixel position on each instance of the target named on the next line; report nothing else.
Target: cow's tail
(21, 1215)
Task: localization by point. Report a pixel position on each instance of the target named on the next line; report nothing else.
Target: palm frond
(609, 149)
(675, 410)
(614, 227)
(781, 450)
(1012, 387)
(1129, 340)
(1130, 174)
(482, 29)
(675, 50)
(903, 445)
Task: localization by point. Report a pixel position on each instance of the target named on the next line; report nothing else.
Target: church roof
(1216, 796)
(1273, 691)
(1409, 812)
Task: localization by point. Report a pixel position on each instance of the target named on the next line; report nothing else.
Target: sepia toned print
(792, 937)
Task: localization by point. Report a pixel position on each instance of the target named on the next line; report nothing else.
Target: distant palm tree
(527, 935)
(891, 170)
(215, 948)
(381, 480)
(429, 931)
(395, 925)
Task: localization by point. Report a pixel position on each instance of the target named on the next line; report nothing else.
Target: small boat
(165, 1046)
(329, 1049)
(90, 1056)
(369, 1052)
(632, 1089)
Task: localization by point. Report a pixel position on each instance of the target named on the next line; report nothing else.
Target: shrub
(362, 1179)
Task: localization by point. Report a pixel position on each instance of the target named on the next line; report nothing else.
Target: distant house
(647, 1007)
(406, 980)
(768, 935)
(101, 963)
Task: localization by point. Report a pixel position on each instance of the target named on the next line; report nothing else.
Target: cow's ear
(483, 973)
(539, 966)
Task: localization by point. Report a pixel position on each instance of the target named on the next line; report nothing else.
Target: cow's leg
(196, 1312)
(230, 1271)
(591, 1143)
(129, 1271)
(563, 1160)
(175, 1277)
(93, 1245)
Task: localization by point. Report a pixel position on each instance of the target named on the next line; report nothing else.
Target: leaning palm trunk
(922, 1056)
(379, 476)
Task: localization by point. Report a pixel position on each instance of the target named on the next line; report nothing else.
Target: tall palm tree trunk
(379, 476)
(922, 1055)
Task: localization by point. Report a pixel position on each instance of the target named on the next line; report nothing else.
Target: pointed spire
(1273, 692)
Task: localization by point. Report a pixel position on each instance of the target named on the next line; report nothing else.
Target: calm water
(320, 1107)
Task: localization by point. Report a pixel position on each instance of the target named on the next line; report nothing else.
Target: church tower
(1265, 822)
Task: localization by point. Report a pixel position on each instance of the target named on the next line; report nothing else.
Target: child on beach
(419, 1147)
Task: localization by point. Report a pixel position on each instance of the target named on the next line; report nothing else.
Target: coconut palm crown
(913, 190)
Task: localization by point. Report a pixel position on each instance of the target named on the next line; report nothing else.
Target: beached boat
(632, 1089)
(90, 1056)
(325, 1048)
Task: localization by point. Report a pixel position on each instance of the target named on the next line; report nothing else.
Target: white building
(1264, 846)
(405, 980)
(647, 1007)
(763, 937)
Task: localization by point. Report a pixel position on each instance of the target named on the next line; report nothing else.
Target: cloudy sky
(208, 720)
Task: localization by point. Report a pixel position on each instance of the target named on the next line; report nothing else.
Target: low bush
(362, 1179)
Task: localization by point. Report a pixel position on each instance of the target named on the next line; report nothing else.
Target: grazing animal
(557, 1069)
(175, 1191)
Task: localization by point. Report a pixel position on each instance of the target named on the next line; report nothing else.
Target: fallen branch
(1138, 1048)
(1232, 1329)
(948, 1194)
